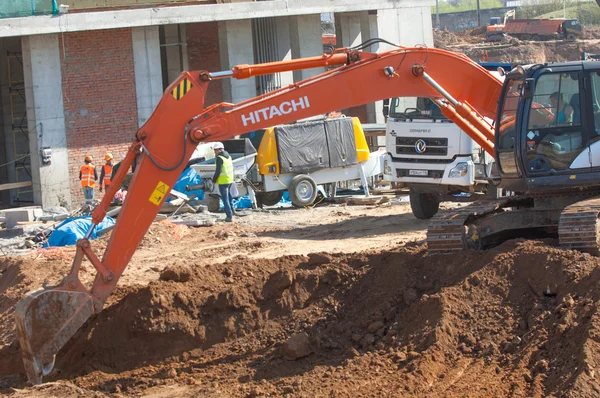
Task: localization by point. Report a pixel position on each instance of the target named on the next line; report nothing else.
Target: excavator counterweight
(46, 319)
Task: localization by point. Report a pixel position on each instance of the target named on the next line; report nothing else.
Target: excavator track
(578, 227)
(446, 231)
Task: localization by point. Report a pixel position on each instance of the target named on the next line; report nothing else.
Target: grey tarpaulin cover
(341, 142)
(310, 146)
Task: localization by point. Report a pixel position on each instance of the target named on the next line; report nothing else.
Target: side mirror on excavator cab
(527, 92)
(386, 107)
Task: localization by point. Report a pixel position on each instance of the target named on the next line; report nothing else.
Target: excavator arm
(47, 318)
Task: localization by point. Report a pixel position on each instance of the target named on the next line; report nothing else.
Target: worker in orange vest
(106, 172)
(88, 177)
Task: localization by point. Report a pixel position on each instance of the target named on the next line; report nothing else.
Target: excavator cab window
(555, 135)
(505, 136)
(595, 81)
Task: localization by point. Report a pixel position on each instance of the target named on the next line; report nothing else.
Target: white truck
(431, 156)
(434, 158)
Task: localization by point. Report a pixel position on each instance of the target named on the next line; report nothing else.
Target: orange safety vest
(107, 174)
(87, 175)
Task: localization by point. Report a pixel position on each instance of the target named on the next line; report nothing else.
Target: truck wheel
(424, 205)
(214, 203)
(268, 198)
(302, 190)
(571, 37)
(535, 38)
(525, 37)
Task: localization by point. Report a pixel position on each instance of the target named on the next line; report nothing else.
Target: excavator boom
(46, 319)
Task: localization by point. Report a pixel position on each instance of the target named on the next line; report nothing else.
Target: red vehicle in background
(535, 29)
(329, 42)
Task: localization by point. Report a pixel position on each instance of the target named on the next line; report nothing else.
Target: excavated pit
(520, 319)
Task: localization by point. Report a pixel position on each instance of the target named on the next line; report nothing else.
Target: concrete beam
(45, 119)
(36, 25)
(148, 74)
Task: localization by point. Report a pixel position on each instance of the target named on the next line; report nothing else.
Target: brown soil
(517, 320)
(444, 38)
(472, 43)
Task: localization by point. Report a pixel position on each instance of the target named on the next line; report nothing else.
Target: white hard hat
(218, 145)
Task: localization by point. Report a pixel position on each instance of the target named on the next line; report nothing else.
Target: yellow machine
(267, 158)
(295, 146)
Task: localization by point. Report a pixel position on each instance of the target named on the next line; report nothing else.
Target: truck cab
(431, 156)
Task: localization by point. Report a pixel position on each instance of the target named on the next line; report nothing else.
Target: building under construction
(81, 77)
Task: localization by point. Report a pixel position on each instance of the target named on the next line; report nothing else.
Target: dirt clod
(277, 283)
(176, 273)
(375, 326)
(409, 296)
(297, 346)
(318, 259)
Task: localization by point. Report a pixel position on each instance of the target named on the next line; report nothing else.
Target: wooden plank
(13, 185)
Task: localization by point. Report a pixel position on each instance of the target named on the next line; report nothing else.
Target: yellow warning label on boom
(181, 89)
(159, 193)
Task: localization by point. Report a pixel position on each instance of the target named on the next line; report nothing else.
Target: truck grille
(433, 146)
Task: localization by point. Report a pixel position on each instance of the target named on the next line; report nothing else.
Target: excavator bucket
(46, 319)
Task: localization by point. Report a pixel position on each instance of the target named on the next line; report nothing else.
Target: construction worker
(106, 172)
(223, 177)
(88, 177)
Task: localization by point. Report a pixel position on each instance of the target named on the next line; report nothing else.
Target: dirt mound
(529, 52)
(443, 38)
(518, 320)
(591, 33)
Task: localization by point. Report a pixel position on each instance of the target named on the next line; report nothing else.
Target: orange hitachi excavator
(466, 94)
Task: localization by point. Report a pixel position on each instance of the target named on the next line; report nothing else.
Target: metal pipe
(246, 71)
(478, 136)
(90, 231)
(439, 89)
(221, 75)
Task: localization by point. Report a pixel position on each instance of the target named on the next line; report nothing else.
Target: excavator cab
(549, 125)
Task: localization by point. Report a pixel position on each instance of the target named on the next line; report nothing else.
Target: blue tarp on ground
(72, 229)
(244, 202)
(188, 177)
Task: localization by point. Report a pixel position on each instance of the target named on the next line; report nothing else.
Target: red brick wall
(99, 97)
(203, 54)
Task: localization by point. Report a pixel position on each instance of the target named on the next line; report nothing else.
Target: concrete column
(305, 33)
(45, 118)
(349, 33)
(348, 28)
(148, 74)
(235, 47)
(284, 47)
(407, 26)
